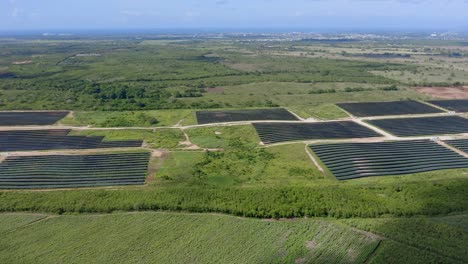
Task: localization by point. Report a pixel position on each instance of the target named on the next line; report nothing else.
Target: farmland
(231, 151)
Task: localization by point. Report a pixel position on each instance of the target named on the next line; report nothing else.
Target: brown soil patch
(22, 62)
(459, 92)
(214, 90)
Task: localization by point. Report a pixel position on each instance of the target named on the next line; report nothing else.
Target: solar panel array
(207, 117)
(357, 160)
(423, 126)
(31, 118)
(452, 105)
(461, 144)
(19, 140)
(271, 133)
(72, 171)
(388, 108)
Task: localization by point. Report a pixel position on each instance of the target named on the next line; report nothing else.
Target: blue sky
(338, 14)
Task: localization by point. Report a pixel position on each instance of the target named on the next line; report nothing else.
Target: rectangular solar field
(72, 171)
(423, 126)
(452, 105)
(31, 118)
(357, 160)
(388, 108)
(271, 133)
(207, 117)
(48, 139)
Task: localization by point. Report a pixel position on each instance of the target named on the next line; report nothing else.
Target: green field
(132, 118)
(182, 238)
(157, 138)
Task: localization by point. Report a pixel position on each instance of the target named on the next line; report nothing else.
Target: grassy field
(132, 118)
(286, 165)
(208, 238)
(222, 136)
(437, 237)
(158, 138)
(11, 222)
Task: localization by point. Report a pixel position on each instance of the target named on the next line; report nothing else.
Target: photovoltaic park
(49, 139)
(357, 160)
(73, 171)
(452, 105)
(270, 133)
(207, 117)
(388, 108)
(423, 126)
(31, 118)
(29, 169)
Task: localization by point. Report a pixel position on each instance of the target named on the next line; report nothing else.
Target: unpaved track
(459, 151)
(67, 151)
(306, 148)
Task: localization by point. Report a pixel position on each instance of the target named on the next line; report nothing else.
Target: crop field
(198, 238)
(357, 160)
(279, 132)
(452, 105)
(423, 126)
(30, 118)
(388, 108)
(71, 171)
(206, 117)
(20, 140)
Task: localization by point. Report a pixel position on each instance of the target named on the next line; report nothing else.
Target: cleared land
(445, 92)
(30, 118)
(207, 117)
(279, 132)
(388, 108)
(452, 105)
(423, 126)
(72, 171)
(356, 160)
(21, 140)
